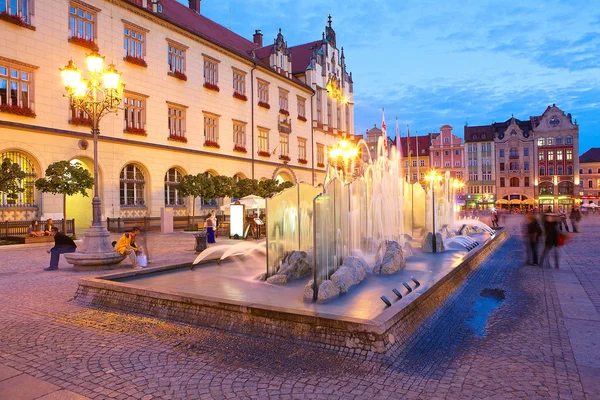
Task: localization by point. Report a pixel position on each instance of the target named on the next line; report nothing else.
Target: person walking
(534, 231)
(129, 248)
(563, 220)
(495, 219)
(551, 238)
(575, 217)
(62, 244)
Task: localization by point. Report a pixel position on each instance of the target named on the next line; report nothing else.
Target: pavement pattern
(542, 340)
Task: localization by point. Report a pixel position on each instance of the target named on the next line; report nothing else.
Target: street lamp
(433, 177)
(457, 184)
(345, 152)
(97, 96)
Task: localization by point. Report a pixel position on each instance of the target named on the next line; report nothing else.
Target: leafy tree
(10, 175)
(285, 185)
(268, 188)
(201, 185)
(68, 179)
(245, 187)
(224, 186)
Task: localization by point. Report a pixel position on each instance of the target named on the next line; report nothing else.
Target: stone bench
(31, 239)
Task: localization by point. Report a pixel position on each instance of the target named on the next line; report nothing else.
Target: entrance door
(80, 207)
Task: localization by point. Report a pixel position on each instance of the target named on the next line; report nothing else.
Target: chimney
(195, 5)
(257, 38)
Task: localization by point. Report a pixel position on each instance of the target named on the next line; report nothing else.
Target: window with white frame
(172, 196)
(447, 164)
(550, 156)
(458, 174)
(559, 155)
(239, 134)
(414, 176)
(26, 197)
(320, 154)
(82, 22)
(457, 163)
(135, 41)
(211, 70)
(131, 185)
(414, 163)
(569, 154)
(239, 81)
(20, 8)
(283, 100)
(263, 91)
(176, 120)
(15, 85)
(284, 145)
(176, 56)
(437, 164)
(211, 128)
(263, 139)
(134, 111)
(302, 149)
(569, 139)
(301, 107)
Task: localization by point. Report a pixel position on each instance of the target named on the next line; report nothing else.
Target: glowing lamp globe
(94, 62)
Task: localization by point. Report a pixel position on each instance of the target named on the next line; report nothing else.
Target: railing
(153, 223)
(19, 228)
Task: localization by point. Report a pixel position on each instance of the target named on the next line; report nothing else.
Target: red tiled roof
(186, 18)
(475, 133)
(423, 145)
(592, 155)
(300, 55)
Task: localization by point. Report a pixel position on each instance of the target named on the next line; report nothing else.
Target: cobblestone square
(541, 341)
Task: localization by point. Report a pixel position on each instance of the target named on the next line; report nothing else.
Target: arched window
(581, 170)
(559, 140)
(569, 139)
(565, 188)
(550, 169)
(550, 141)
(172, 196)
(559, 169)
(546, 188)
(589, 170)
(514, 182)
(131, 186)
(26, 197)
(541, 141)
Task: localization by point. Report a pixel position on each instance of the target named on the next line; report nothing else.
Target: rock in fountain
(390, 258)
(352, 272)
(427, 245)
(295, 265)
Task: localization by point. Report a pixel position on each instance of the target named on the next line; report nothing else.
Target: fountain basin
(221, 297)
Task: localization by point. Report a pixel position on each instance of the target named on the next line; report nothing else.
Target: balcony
(515, 171)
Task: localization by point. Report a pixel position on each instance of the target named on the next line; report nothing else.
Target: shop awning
(515, 201)
(529, 201)
(502, 201)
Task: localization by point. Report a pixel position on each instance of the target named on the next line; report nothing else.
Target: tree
(269, 187)
(201, 185)
(224, 186)
(10, 177)
(245, 187)
(68, 179)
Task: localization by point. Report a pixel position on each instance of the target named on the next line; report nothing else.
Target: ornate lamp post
(433, 177)
(97, 96)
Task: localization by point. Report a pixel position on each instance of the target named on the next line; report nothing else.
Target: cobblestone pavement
(529, 348)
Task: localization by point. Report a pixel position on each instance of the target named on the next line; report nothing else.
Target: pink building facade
(447, 152)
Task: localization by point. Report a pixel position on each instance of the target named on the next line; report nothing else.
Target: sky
(431, 63)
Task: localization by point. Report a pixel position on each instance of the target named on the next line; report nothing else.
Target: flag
(408, 143)
(398, 137)
(383, 130)
(275, 150)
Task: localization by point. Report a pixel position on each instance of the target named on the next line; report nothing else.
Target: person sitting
(34, 229)
(62, 244)
(127, 246)
(49, 226)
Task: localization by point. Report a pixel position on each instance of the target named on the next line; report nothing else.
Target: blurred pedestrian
(62, 244)
(575, 217)
(563, 220)
(551, 238)
(534, 231)
(495, 219)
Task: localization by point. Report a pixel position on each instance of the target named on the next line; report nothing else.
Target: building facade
(371, 138)
(198, 98)
(416, 157)
(514, 164)
(480, 175)
(556, 145)
(589, 177)
(447, 152)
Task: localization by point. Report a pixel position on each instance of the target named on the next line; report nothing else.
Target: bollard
(200, 241)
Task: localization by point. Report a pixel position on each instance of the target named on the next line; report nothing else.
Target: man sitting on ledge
(127, 246)
(62, 244)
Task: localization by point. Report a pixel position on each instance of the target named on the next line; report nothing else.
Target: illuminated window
(263, 139)
(26, 197)
(172, 196)
(131, 186)
(15, 85)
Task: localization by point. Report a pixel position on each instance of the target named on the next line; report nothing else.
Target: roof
(592, 155)
(300, 54)
(423, 145)
(186, 18)
(484, 133)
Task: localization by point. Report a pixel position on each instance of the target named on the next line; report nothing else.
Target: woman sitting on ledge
(34, 229)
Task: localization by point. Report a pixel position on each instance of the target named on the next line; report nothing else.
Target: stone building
(514, 164)
(416, 157)
(372, 139)
(198, 98)
(447, 152)
(556, 144)
(589, 177)
(480, 175)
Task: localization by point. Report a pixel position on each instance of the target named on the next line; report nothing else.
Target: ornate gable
(554, 119)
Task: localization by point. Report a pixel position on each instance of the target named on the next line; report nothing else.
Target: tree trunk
(194, 212)
(64, 214)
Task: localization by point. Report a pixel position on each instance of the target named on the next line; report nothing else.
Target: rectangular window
(21, 8)
(134, 41)
(514, 166)
(569, 154)
(456, 152)
(263, 140)
(15, 85)
(176, 56)
(422, 163)
(263, 91)
(301, 107)
(239, 134)
(437, 164)
(526, 151)
(283, 100)
(559, 169)
(329, 121)
(134, 113)
(319, 105)
(211, 71)
(550, 156)
(239, 82)
(446, 153)
(542, 170)
(302, 149)
(457, 163)
(501, 166)
(338, 114)
(526, 165)
(447, 164)
(414, 163)
(211, 128)
(414, 177)
(82, 22)
(284, 145)
(502, 182)
(541, 156)
(559, 155)
(348, 124)
(176, 121)
(458, 175)
(569, 140)
(320, 154)
(590, 184)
